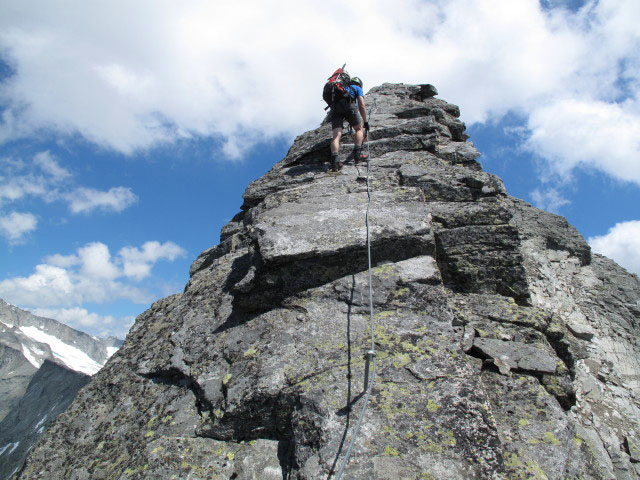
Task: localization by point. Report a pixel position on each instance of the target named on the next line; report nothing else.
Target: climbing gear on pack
(370, 357)
(336, 87)
(356, 81)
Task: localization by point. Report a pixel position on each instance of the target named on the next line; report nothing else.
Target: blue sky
(129, 130)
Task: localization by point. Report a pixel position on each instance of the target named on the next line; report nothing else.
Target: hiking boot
(359, 155)
(336, 164)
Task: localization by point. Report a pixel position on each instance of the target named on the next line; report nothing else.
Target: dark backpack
(336, 87)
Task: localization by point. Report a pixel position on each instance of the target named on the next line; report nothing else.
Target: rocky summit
(505, 349)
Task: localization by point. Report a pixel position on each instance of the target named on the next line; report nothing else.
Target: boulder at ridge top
(256, 370)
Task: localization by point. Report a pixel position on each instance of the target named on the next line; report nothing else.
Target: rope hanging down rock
(370, 366)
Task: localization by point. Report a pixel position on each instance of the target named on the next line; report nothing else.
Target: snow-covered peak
(39, 339)
(72, 357)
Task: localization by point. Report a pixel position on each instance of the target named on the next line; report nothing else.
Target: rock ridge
(506, 349)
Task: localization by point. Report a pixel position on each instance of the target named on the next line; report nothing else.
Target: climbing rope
(370, 366)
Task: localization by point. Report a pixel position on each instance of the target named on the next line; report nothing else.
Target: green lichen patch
(551, 439)
(520, 467)
(250, 352)
(384, 271)
(391, 451)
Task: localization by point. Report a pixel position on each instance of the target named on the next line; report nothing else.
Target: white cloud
(175, 70)
(82, 319)
(49, 165)
(593, 134)
(137, 262)
(550, 199)
(96, 262)
(85, 200)
(622, 244)
(15, 188)
(45, 179)
(244, 74)
(91, 274)
(16, 225)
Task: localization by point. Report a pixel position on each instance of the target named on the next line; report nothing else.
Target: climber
(348, 109)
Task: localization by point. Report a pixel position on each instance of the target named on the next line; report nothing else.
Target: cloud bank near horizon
(153, 73)
(59, 286)
(91, 274)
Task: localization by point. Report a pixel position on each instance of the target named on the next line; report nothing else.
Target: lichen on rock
(505, 349)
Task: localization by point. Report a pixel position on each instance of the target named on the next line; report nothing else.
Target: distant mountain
(49, 393)
(43, 363)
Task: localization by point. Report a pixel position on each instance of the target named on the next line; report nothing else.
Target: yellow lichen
(385, 270)
(391, 451)
(550, 438)
(511, 460)
(384, 314)
(402, 360)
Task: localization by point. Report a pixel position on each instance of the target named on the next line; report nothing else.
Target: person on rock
(354, 111)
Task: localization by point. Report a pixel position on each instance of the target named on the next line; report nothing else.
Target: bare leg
(358, 135)
(335, 141)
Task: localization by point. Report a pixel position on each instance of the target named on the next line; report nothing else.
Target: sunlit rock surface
(504, 348)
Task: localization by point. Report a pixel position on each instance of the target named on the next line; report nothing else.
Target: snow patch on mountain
(72, 357)
(33, 360)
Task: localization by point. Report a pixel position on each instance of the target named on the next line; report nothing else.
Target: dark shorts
(342, 111)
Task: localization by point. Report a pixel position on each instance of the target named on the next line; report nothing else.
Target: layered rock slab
(256, 370)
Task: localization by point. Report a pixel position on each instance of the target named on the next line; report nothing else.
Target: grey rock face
(23, 349)
(49, 393)
(15, 374)
(256, 370)
(37, 381)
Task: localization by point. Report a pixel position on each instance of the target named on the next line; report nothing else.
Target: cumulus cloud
(91, 274)
(16, 225)
(593, 134)
(622, 244)
(174, 70)
(83, 319)
(137, 263)
(85, 200)
(550, 199)
(49, 164)
(42, 177)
